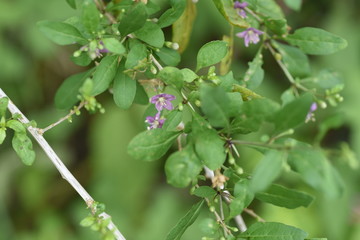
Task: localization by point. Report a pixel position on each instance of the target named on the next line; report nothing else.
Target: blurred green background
(36, 203)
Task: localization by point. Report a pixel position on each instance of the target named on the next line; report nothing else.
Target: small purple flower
(250, 35)
(155, 122)
(162, 101)
(241, 6)
(310, 115)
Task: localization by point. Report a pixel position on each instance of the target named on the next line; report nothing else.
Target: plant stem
(72, 112)
(260, 144)
(65, 173)
(253, 214)
(102, 8)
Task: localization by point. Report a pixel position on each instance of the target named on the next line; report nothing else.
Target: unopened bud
(153, 69)
(168, 44)
(197, 103)
(175, 46)
(181, 107)
(231, 160)
(212, 209)
(322, 104)
(278, 56)
(77, 53)
(239, 171)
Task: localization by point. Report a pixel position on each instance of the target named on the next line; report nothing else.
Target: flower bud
(77, 53)
(197, 103)
(153, 69)
(175, 46)
(322, 104)
(278, 56)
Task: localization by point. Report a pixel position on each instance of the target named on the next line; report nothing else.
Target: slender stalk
(65, 173)
(253, 214)
(100, 5)
(72, 112)
(157, 64)
(220, 220)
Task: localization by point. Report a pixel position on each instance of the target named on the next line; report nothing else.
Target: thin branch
(72, 112)
(218, 218)
(253, 214)
(102, 8)
(157, 64)
(260, 144)
(65, 173)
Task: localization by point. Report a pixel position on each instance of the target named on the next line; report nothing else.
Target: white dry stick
(65, 173)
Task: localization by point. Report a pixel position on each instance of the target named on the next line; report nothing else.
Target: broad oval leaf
(152, 144)
(114, 45)
(136, 55)
(16, 125)
(182, 167)
(2, 135)
(124, 90)
(272, 231)
(172, 76)
(211, 53)
(255, 74)
(204, 192)
(226, 8)
(151, 34)
(23, 147)
(267, 170)
(134, 18)
(172, 14)
(66, 95)
(284, 197)
(185, 222)
(169, 56)
(316, 41)
(90, 17)
(104, 74)
(61, 33)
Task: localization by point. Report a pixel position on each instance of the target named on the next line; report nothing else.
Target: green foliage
(124, 90)
(172, 14)
(90, 17)
(182, 167)
(104, 74)
(273, 231)
(211, 53)
(185, 222)
(204, 192)
(61, 33)
(151, 145)
(151, 34)
(285, 197)
(114, 45)
(226, 8)
(134, 19)
(316, 41)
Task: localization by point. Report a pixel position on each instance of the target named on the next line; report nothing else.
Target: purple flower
(250, 35)
(162, 101)
(155, 122)
(310, 115)
(241, 7)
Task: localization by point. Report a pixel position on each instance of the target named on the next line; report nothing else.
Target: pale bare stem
(235, 150)
(179, 142)
(238, 218)
(187, 101)
(65, 173)
(220, 220)
(260, 144)
(72, 112)
(222, 213)
(157, 64)
(253, 214)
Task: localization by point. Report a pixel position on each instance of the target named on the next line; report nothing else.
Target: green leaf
(173, 119)
(188, 75)
(2, 135)
(243, 197)
(66, 95)
(293, 113)
(172, 14)
(152, 34)
(315, 169)
(182, 28)
(255, 74)
(211, 53)
(182, 167)
(17, 126)
(169, 56)
(185, 222)
(3, 106)
(23, 147)
(226, 8)
(285, 197)
(293, 4)
(152, 7)
(152, 144)
(316, 41)
(136, 55)
(246, 93)
(104, 74)
(278, 25)
(272, 231)
(253, 114)
(172, 76)
(267, 8)
(295, 60)
(327, 79)
(88, 221)
(90, 17)
(204, 192)
(208, 145)
(134, 19)
(82, 60)
(114, 45)
(267, 170)
(124, 90)
(61, 33)
(141, 96)
(72, 3)
(214, 103)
